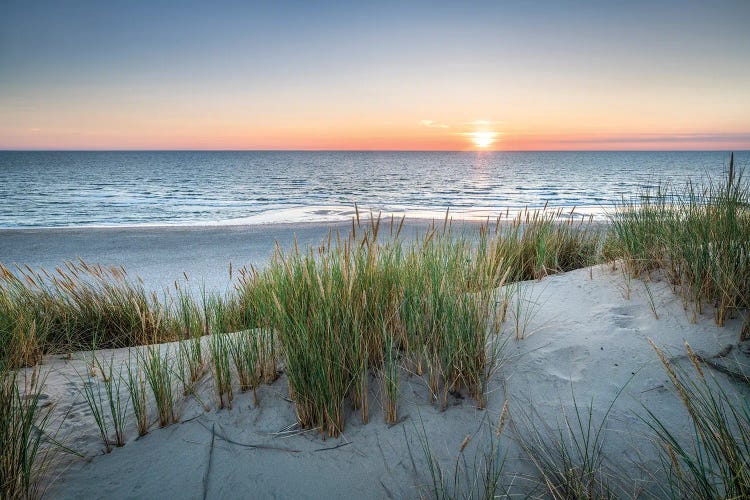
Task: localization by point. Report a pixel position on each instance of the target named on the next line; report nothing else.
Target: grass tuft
(698, 235)
(137, 390)
(157, 367)
(220, 346)
(24, 443)
(480, 476)
(717, 465)
(569, 459)
(244, 349)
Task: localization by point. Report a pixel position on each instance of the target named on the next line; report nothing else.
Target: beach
(502, 355)
(577, 357)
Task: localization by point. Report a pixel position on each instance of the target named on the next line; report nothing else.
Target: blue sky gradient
(301, 74)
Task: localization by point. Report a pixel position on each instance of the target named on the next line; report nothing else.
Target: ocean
(133, 188)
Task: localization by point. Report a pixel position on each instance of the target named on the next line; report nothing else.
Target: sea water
(113, 188)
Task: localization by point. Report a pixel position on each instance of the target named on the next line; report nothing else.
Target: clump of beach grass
(698, 235)
(220, 347)
(137, 390)
(75, 306)
(452, 319)
(19, 344)
(717, 463)
(157, 366)
(189, 316)
(94, 397)
(338, 307)
(358, 303)
(569, 459)
(480, 476)
(107, 405)
(25, 445)
(390, 382)
(537, 243)
(244, 348)
(254, 306)
(315, 321)
(118, 405)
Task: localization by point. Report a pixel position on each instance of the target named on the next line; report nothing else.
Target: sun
(483, 139)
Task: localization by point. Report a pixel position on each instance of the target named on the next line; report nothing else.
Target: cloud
(482, 123)
(433, 124)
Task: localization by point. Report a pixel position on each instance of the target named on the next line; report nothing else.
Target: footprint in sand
(570, 365)
(622, 316)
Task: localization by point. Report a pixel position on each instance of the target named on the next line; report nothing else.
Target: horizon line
(295, 150)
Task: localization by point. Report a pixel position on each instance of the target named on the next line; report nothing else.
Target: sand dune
(582, 337)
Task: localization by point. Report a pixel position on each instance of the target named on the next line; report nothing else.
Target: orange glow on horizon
(345, 134)
(411, 122)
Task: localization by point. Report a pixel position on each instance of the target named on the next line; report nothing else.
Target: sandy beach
(585, 338)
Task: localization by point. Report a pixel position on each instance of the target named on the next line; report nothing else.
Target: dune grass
(698, 235)
(359, 303)
(95, 398)
(542, 242)
(370, 300)
(244, 349)
(76, 306)
(136, 384)
(569, 458)
(390, 382)
(317, 316)
(219, 346)
(479, 476)
(24, 422)
(117, 403)
(717, 465)
(365, 301)
(158, 369)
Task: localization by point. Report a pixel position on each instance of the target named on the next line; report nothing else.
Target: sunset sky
(376, 75)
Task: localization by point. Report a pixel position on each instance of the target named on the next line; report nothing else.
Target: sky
(410, 75)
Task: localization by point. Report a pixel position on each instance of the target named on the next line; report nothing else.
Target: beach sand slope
(583, 336)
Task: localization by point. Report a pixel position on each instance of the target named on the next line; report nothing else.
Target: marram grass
(366, 302)
(219, 346)
(699, 235)
(158, 370)
(717, 464)
(344, 309)
(74, 308)
(25, 445)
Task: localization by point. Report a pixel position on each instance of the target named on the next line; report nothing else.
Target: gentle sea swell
(54, 189)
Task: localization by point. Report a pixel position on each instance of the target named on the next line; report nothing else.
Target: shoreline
(344, 215)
